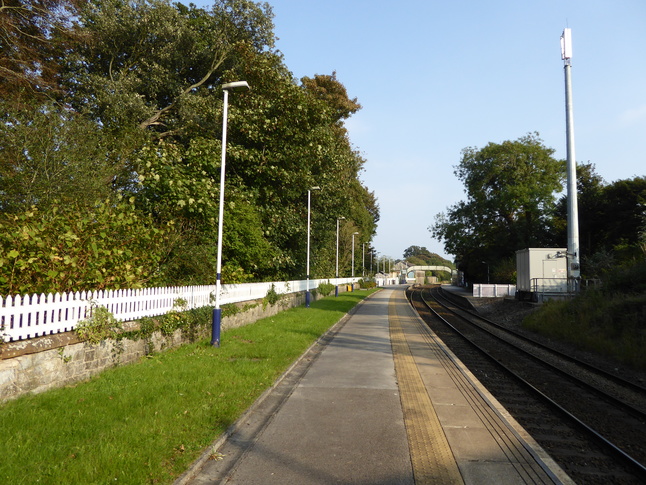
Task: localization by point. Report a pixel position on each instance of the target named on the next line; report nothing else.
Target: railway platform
(378, 400)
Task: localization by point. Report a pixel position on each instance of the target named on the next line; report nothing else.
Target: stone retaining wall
(36, 365)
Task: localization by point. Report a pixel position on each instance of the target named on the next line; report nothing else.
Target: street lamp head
(236, 85)
(315, 188)
(355, 233)
(340, 218)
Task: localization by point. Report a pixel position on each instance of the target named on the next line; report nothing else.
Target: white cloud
(634, 115)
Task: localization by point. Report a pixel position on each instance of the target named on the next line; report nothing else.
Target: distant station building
(399, 271)
(386, 279)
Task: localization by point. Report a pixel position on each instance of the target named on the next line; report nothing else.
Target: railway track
(592, 423)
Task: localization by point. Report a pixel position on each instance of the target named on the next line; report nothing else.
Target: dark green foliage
(627, 279)
(138, 117)
(612, 221)
(71, 248)
(50, 157)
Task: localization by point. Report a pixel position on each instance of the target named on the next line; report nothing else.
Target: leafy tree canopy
(422, 256)
(510, 193)
(611, 220)
(328, 89)
(415, 251)
(33, 36)
(50, 156)
(137, 116)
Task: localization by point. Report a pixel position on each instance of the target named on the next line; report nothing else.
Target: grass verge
(147, 422)
(613, 325)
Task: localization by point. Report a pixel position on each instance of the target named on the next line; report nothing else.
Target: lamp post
(353, 234)
(309, 205)
(336, 286)
(363, 260)
(217, 312)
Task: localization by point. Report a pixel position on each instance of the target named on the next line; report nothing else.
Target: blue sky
(436, 77)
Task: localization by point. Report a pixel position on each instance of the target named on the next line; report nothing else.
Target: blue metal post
(216, 326)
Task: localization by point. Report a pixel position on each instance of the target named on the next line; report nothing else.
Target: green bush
(71, 248)
(366, 284)
(100, 326)
(630, 278)
(325, 288)
(272, 296)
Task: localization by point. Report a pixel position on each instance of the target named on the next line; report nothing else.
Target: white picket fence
(24, 317)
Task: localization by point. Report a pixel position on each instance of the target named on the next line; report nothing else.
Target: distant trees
(132, 131)
(612, 220)
(511, 204)
(421, 256)
(414, 251)
(511, 190)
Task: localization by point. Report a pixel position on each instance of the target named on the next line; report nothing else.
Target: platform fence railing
(25, 317)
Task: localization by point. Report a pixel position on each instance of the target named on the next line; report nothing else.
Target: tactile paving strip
(431, 455)
(530, 463)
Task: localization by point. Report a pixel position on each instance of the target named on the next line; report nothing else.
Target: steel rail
(638, 413)
(639, 468)
(591, 367)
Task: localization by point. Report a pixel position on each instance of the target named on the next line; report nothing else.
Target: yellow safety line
(432, 459)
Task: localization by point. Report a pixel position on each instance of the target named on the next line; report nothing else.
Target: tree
(510, 191)
(32, 37)
(142, 108)
(590, 200)
(154, 65)
(50, 156)
(610, 219)
(148, 74)
(415, 251)
(271, 130)
(622, 216)
(284, 139)
(333, 93)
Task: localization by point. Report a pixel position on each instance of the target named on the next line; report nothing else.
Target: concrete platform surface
(379, 400)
